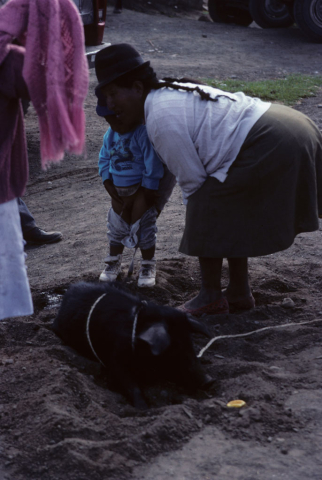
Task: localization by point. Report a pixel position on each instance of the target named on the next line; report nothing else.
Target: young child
(131, 173)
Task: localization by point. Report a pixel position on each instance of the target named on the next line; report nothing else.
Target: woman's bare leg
(210, 283)
(238, 288)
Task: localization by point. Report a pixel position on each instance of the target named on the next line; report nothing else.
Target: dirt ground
(58, 419)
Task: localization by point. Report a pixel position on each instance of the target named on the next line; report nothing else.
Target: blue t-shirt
(129, 159)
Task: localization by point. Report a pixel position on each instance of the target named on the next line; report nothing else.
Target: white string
(143, 303)
(134, 328)
(87, 327)
(202, 351)
(135, 322)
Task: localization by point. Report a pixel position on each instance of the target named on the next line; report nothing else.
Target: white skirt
(15, 295)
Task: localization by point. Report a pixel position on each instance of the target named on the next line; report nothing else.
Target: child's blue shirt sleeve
(104, 157)
(153, 167)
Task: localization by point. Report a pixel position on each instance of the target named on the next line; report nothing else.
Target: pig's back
(110, 323)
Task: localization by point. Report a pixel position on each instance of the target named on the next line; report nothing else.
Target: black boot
(38, 236)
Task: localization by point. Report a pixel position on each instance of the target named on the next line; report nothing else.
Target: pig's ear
(198, 327)
(157, 338)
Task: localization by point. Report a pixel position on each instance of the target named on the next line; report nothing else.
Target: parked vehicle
(270, 13)
(230, 11)
(93, 14)
(307, 14)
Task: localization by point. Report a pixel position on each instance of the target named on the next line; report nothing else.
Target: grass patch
(286, 90)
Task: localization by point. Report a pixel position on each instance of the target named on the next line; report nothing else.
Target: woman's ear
(138, 88)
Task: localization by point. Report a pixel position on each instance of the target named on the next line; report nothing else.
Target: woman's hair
(169, 83)
(148, 77)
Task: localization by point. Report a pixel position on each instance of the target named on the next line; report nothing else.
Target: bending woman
(249, 170)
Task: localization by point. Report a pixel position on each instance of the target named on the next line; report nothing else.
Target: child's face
(127, 103)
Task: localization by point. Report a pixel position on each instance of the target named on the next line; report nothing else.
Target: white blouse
(197, 138)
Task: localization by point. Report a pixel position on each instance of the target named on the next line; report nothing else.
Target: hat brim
(103, 83)
(103, 111)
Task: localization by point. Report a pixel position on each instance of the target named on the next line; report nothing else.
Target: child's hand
(150, 196)
(111, 190)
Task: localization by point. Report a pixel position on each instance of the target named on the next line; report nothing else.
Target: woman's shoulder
(163, 104)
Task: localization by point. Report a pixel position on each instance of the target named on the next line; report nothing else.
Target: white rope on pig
(87, 327)
(221, 337)
(135, 321)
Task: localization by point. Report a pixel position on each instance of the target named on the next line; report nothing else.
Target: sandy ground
(59, 419)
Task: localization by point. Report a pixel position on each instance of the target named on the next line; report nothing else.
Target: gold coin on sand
(236, 403)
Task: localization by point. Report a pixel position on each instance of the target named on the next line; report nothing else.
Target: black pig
(133, 339)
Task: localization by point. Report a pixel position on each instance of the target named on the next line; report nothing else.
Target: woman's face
(126, 103)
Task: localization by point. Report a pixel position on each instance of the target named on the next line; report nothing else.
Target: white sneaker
(147, 273)
(112, 269)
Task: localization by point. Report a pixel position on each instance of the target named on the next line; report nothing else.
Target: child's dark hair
(148, 77)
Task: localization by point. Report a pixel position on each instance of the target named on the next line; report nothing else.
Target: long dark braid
(148, 77)
(168, 83)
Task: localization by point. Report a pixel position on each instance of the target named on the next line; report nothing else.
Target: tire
(240, 17)
(308, 17)
(220, 13)
(216, 9)
(270, 13)
(290, 11)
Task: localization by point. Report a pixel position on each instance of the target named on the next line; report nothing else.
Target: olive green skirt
(272, 193)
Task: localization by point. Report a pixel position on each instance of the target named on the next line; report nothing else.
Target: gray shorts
(142, 233)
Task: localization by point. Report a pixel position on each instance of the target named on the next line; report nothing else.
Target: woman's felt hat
(114, 61)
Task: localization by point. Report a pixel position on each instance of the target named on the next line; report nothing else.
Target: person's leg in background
(118, 6)
(15, 295)
(31, 232)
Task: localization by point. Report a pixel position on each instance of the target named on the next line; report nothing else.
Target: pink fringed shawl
(55, 69)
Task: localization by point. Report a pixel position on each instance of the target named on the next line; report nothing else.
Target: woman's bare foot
(238, 292)
(198, 306)
(237, 301)
(210, 299)
(203, 298)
